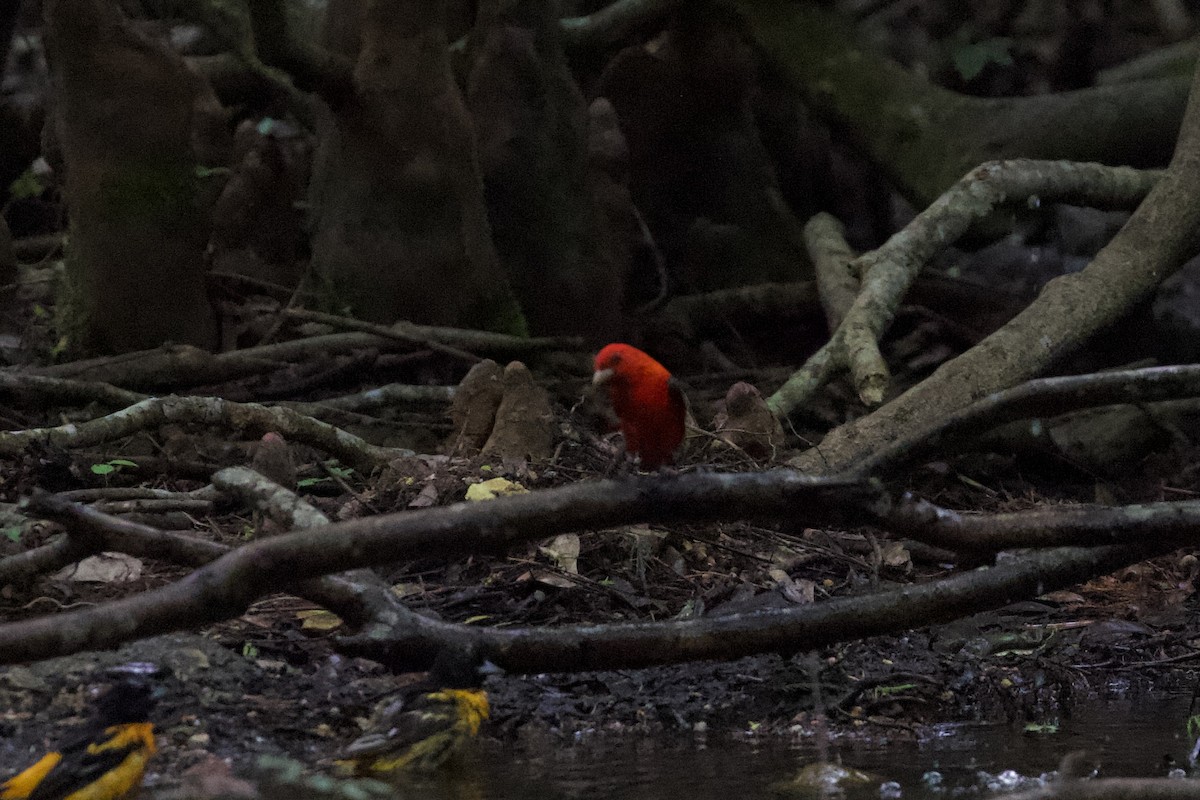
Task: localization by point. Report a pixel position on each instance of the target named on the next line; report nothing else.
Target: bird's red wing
(661, 429)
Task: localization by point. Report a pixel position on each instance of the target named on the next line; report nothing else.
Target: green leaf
(103, 469)
(13, 534)
(203, 172)
(339, 471)
(249, 651)
(305, 482)
(970, 59)
(29, 184)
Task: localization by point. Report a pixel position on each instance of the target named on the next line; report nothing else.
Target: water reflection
(1133, 737)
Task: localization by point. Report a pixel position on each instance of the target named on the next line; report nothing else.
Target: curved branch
(926, 137)
(227, 586)
(178, 366)
(251, 417)
(808, 627)
(358, 603)
(1037, 398)
(890, 270)
(1160, 236)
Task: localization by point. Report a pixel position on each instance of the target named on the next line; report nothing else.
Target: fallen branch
(55, 555)
(370, 399)
(92, 531)
(180, 366)
(1037, 398)
(401, 332)
(42, 390)
(1160, 236)
(1055, 526)
(832, 257)
(888, 272)
(226, 587)
(250, 417)
(804, 628)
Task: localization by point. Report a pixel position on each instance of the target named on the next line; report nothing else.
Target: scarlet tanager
(647, 401)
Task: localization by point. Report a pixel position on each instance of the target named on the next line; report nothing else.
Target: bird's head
(623, 362)
(461, 668)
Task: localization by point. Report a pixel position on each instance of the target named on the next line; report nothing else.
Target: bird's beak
(601, 376)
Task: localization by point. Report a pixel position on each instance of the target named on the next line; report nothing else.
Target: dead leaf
(318, 619)
(895, 555)
(553, 579)
(496, 487)
(800, 591)
(779, 576)
(103, 568)
(563, 550)
(1063, 597)
(427, 497)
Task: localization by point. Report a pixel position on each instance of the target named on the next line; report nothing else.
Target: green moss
(70, 310)
(159, 194)
(505, 316)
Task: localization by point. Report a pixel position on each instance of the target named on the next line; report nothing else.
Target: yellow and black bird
(428, 723)
(105, 762)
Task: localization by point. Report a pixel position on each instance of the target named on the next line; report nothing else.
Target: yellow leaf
(318, 619)
(495, 487)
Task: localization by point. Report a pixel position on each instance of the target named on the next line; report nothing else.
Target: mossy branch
(925, 137)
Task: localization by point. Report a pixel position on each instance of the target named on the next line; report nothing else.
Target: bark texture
(567, 266)
(125, 113)
(401, 230)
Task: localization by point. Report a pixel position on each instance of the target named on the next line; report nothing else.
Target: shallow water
(1133, 737)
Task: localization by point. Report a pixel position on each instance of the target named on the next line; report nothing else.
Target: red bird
(647, 400)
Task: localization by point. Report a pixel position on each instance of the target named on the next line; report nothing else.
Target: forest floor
(272, 682)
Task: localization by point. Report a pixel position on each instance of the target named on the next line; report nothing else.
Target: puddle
(1134, 738)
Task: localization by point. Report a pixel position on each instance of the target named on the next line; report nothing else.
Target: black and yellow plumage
(105, 762)
(426, 725)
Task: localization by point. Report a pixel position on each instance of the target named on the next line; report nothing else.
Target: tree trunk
(400, 227)
(125, 109)
(568, 268)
